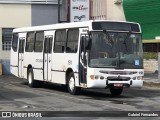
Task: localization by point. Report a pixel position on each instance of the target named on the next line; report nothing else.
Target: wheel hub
(71, 84)
(30, 78)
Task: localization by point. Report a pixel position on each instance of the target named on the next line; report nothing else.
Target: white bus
(91, 54)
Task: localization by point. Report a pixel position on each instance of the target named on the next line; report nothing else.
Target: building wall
(98, 9)
(44, 14)
(27, 13)
(12, 17)
(106, 9)
(147, 13)
(115, 11)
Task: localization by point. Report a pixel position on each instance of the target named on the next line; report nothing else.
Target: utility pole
(59, 7)
(158, 65)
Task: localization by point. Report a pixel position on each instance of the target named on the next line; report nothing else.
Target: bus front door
(21, 57)
(47, 58)
(83, 62)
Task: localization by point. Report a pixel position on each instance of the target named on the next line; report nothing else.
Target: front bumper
(109, 84)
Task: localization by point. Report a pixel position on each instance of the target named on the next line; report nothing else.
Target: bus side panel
(30, 60)
(61, 63)
(25, 72)
(38, 65)
(58, 68)
(15, 57)
(14, 62)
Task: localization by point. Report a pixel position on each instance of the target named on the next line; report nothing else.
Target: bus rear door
(47, 57)
(21, 57)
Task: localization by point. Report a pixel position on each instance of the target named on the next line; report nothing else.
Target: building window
(72, 41)
(39, 41)
(6, 38)
(60, 40)
(30, 42)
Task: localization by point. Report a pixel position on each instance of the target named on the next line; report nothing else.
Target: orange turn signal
(92, 77)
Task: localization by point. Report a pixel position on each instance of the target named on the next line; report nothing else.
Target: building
(106, 9)
(140, 11)
(22, 13)
(147, 13)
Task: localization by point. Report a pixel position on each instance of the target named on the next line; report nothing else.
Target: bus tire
(116, 92)
(30, 78)
(73, 90)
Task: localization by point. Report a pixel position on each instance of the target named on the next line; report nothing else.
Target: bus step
(83, 85)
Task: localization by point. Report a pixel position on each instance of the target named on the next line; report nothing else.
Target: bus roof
(64, 25)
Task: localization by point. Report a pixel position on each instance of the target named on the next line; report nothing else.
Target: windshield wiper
(109, 38)
(125, 41)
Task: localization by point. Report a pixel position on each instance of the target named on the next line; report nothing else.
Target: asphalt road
(15, 95)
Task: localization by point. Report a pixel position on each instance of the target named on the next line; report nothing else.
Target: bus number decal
(39, 60)
(136, 62)
(69, 62)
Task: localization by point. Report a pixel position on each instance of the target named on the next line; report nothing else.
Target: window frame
(27, 49)
(20, 48)
(49, 50)
(72, 41)
(64, 41)
(7, 43)
(35, 40)
(15, 50)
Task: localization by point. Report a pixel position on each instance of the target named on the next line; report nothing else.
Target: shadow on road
(100, 94)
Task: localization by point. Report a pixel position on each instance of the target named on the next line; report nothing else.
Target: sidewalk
(151, 80)
(151, 77)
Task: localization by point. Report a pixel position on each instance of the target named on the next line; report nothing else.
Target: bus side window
(39, 41)
(60, 40)
(30, 42)
(72, 40)
(14, 42)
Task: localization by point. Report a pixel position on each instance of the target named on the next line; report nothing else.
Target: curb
(151, 84)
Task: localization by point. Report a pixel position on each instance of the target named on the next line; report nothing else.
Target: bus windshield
(121, 50)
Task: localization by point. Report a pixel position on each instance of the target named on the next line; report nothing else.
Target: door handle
(49, 60)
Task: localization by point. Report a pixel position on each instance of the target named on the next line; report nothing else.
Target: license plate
(118, 85)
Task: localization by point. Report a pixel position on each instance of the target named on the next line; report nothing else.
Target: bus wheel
(71, 85)
(30, 78)
(116, 91)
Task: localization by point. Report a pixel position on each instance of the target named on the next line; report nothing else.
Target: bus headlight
(96, 77)
(101, 77)
(139, 78)
(141, 72)
(134, 78)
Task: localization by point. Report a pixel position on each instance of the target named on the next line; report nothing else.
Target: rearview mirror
(137, 40)
(86, 41)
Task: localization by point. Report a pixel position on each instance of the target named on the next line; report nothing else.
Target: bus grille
(118, 78)
(119, 72)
